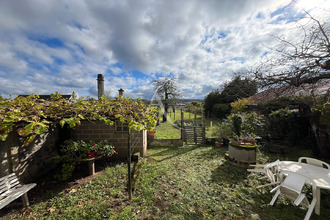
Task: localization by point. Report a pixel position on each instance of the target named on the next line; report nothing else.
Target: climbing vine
(32, 116)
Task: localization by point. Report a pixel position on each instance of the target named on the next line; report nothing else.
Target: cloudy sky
(52, 45)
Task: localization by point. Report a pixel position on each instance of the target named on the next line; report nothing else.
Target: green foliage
(237, 124)
(248, 125)
(253, 124)
(194, 107)
(240, 105)
(211, 99)
(225, 129)
(73, 152)
(239, 88)
(267, 107)
(289, 127)
(321, 113)
(37, 114)
(221, 110)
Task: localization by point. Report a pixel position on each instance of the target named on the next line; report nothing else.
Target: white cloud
(201, 42)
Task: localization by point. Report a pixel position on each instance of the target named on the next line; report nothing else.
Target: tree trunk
(165, 107)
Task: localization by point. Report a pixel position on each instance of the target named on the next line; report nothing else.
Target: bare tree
(297, 63)
(168, 91)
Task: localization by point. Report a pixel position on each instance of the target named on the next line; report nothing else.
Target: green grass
(167, 130)
(189, 182)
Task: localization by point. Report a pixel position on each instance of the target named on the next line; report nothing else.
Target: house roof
(321, 88)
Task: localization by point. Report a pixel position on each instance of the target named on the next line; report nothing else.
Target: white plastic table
(319, 175)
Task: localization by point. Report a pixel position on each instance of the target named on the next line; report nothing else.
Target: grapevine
(31, 116)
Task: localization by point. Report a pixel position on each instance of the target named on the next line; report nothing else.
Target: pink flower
(108, 155)
(94, 144)
(116, 153)
(79, 162)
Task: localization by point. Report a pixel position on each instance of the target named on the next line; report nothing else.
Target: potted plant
(242, 148)
(224, 132)
(74, 152)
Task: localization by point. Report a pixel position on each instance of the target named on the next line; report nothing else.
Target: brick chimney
(100, 86)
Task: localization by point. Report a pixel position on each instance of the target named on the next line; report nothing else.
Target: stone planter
(241, 153)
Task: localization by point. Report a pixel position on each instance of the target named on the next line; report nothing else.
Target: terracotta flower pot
(218, 144)
(151, 133)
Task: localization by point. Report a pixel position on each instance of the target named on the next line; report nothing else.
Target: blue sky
(49, 46)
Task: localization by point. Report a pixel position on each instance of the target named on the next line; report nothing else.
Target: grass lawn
(168, 130)
(189, 182)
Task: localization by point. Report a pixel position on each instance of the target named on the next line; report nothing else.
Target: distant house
(321, 88)
(47, 97)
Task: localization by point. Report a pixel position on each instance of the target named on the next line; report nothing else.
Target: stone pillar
(100, 86)
(121, 92)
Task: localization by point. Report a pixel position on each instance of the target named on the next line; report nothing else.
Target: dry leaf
(81, 203)
(51, 210)
(73, 191)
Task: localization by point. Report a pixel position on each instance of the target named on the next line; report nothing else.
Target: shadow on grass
(48, 187)
(171, 152)
(227, 173)
(213, 153)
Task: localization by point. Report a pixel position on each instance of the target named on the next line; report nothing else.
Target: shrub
(244, 124)
(267, 107)
(288, 126)
(240, 105)
(221, 110)
(73, 152)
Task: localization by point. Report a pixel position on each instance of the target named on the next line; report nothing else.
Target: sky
(61, 45)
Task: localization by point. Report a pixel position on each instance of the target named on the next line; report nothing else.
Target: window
(120, 126)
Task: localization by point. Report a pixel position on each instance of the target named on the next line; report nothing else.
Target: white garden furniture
(11, 189)
(319, 175)
(292, 187)
(270, 171)
(314, 162)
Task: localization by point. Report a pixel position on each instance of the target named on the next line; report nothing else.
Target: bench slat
(11, 189)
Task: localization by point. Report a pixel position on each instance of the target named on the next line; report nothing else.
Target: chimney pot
(121, 92)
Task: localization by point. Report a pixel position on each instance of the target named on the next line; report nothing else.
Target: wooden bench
(11, 189)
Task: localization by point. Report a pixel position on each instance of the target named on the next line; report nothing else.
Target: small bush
(73, 152)
(288, 126)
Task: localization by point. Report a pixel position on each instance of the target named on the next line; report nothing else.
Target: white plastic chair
(270, 171)
(314, 162)
(292, 187)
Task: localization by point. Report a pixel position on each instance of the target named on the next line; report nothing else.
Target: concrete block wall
(39, 157)
(30, 162)
(98, 130)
